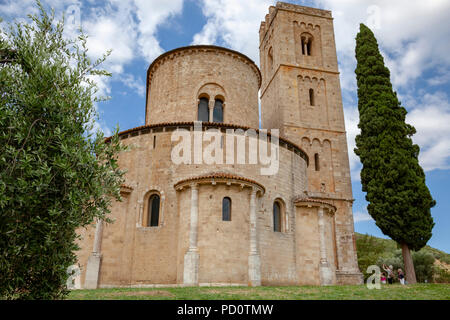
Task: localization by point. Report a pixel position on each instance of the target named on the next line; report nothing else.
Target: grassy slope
(393, 292)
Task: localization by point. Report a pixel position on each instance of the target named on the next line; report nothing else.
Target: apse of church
(226, 223)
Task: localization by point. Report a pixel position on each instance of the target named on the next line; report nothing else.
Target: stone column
(139, 223)
(98, 237)
(94, 261)
(191, 257)
(305, 46)
(326, 275)
(211, 110)
(254, 259)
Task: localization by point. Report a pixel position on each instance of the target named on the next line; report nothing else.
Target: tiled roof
(126, 186)
(210, 124)
(316, 200)
(221, 175)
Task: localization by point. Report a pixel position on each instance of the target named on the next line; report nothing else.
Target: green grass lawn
(387, 292)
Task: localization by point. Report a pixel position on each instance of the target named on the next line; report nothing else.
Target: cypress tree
(394, 182)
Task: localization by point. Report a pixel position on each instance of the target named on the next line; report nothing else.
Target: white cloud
(105, 33)
(429, 113)
(234, 22)
(412, 38)
(151, 14)
(431, 118)
(138, 84)
(359, 216)
(128, 27)
(413, 33)
(17, 8)
(351, 125)
(442, 77)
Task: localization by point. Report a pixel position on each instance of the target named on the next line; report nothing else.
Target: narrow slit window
(226, 209)
(276, 217)
(311, 97)
(218, 111)
(154, 142)
(203, 110)
(270, 58)
(153, 211)
(317, 162)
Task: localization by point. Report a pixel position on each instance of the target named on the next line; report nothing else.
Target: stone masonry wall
(178, 78)
(133, 254)
(317, 124)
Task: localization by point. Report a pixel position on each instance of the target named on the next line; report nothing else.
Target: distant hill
(391, 246)
(431, 264)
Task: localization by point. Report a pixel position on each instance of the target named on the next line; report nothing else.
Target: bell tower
(301, 96)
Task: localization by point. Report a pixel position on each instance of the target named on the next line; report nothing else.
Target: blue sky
(413, 37)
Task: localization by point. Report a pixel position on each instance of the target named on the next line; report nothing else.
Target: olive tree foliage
(423, 264)
(56, 173)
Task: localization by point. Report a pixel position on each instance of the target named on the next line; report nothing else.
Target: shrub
(440, 275)
(423, 265)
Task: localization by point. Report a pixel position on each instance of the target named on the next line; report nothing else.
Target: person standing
(390, 273)
(401, 276)
(383, 278)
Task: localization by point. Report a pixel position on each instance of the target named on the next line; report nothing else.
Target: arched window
(311, 97)
(153, 211)
(316, 161)
(226, 209)
(203, 110)
(276, 216)
(270, 58)
(218, 111)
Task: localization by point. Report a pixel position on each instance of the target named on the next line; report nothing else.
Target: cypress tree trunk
(410, 273)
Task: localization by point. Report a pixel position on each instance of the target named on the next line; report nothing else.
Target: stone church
(225, 223)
